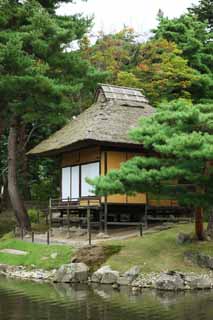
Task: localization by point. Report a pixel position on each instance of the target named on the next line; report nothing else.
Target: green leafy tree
(204, 11)
(41, 77)
(179, 140)
(112, 53)
(192, 37)
(164, 74)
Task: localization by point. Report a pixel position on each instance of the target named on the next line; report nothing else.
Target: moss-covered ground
(39, 255)
(158, 251)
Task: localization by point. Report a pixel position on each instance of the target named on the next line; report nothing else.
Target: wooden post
(145, 217)
(50, 214)
(68, 215)
(100, 219)
(38, 216)
(32, 236)
(105, 216)
(48, 237)
(89, 225)
(141, 229)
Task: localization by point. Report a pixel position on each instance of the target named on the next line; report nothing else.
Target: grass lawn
(158, 252)
(39, 255)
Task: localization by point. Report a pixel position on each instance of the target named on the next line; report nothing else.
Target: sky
(111, 15)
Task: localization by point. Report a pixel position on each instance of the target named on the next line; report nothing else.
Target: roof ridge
(116, 86)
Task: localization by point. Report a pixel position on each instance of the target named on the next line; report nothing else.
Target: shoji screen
(90, 170)
(66, 182)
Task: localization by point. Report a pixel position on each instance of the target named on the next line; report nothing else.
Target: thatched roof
(104, 122)
(122, 95)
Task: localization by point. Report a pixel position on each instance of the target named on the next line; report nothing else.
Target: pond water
(20, 300)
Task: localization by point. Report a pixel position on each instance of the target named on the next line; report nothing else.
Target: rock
(105, 275)
(54, 255)
(3, 268)
(14, 252)
(198, 282)
(133, 272)
(127, 278)
(102, 235)
(202, 260)
(73, 272)
(136, 290)
(169, 281)
(115, 286)
(183, 238)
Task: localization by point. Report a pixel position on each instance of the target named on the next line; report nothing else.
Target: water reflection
(25, 300)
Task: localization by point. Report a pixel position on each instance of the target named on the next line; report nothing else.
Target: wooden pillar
(89, 225)
(68, 215)
(100, 219)
(105, 216)
(145, 217)
(50, 214)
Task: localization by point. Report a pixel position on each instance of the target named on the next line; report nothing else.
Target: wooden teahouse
(91, 145)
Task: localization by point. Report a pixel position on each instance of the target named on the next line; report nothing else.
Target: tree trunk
(199, 230)
(16, 201)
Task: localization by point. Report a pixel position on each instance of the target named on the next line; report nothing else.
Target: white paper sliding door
(92, 171)
(75, 182)
(66, 182)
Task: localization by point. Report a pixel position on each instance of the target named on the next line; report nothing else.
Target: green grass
(39, 255)
(158, 252)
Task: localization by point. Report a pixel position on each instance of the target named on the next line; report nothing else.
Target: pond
(20, 300)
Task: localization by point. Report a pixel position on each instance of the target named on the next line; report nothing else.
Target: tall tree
(113, 52)
(164, 74)
(179, 138)
(192, 37)
(204, 11)
(40, 79)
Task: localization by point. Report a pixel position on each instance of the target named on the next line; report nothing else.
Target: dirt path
(76, 240)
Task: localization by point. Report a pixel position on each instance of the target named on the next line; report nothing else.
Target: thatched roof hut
(116, 110)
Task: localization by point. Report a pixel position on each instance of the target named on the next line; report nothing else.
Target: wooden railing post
(141, 229)
(68, 214)
(48, 237)
(146, 217)
(32, 236)
(105, 216)
(89, 225)
(50, 213)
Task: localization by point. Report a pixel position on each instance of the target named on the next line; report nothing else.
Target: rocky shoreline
(134, 278)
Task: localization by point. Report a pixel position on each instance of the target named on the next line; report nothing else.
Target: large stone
(170, 281)
(3, 268)
(73, 272)
(130, 275)
(183, 238)
(105, 275)
(202, 260)
(198, 282)
(14, 252)
(133, 272)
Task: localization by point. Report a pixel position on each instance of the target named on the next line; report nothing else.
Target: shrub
(34, 215)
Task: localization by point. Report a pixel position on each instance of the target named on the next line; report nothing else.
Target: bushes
(34, 215)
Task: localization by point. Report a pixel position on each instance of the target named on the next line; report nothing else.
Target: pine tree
(204, 11)
(179, 143)
(40, 77)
